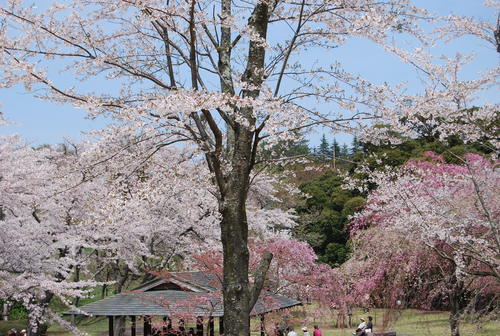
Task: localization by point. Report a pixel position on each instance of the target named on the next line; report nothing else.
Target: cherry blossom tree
(429, 234)
(41, 236)
(168, 206)
(165, 210)
(219, 76)
(92, 216)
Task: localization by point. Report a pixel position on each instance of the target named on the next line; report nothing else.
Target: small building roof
(182, 293)
(194, 281)
(171, 302)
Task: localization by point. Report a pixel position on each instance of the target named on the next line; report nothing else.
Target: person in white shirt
(362, 325)
(304, 329)
(361, 328)
(291, 332)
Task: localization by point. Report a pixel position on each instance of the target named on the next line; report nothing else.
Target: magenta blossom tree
(429, 235)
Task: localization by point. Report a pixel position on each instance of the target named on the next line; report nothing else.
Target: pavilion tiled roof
(200, 296)
(202, 281)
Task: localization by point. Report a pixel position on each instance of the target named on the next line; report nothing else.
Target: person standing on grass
(304, 329)
(291, 332)
(278, 331)
(316, 331)
(369, 325)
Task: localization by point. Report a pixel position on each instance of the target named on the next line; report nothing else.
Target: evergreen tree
(323, 152)
(335, 148)
(324, 214)
(285, 149)
(344, 151)
(355, 147)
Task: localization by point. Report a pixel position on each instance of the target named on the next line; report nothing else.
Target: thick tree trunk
(456, 298)
(35, 328)
(454, 325)
(454, 314)
(33, 324)
(119, 326)
(5, 312)
(239, 296)
(242, 141)
(234, 234)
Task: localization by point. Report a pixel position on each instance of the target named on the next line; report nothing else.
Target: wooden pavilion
(195, 294)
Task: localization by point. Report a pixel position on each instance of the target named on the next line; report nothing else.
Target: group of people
(165, 328)
(290, 332)
(364, 327)
(14, 332)
(172, 332)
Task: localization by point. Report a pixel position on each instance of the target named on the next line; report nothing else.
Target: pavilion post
(110, 325)
(132, 326)
(167, 324)
(211, 326)
(5, 313)
(221, 325)
(199, 326)
(182, 326)
(262, 326)
(147, 326)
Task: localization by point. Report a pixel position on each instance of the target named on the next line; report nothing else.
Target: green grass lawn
(7, 325)
(411, 322)
(408, 321)
(420, 323)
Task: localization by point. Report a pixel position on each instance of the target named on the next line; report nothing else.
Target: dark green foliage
(355, 146)
(335, 148)
(323, 152)
(16, 312)
(352, 205)
(324, 216)
(344, 151)
(335, 252)
(452, 149)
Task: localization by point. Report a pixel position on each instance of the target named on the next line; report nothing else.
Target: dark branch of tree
(35, 216)
(497, 33)
(260, 277)
(163, 32)
(290, 48)
(192, 47)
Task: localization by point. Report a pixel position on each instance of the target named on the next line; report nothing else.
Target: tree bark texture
(35, 328)
(232, 165)
(456, 302)
(33, 325)
(234, 234)
(5, 312)
(119, 326)
(239, 296)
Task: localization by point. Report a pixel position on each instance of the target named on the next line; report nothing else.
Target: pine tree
(335, 148)
(324, 153)
(355, 145)
(344, 151)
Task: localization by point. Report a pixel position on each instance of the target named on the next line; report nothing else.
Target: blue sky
(42, 122)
